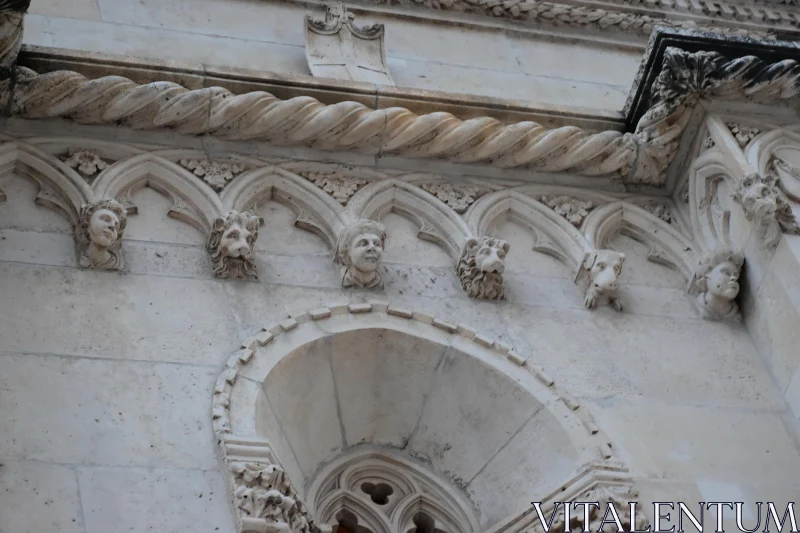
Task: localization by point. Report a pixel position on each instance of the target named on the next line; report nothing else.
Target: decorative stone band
(640, 157)
(304, 121)
(610, 17)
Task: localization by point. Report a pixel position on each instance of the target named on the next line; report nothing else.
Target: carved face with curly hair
(717, 280)
(231, 245)
(360, 250)
(100, 229)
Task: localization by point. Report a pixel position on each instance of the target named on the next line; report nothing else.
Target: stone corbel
(481, 266)
(766, 207)
(716, 284)
(231, 244)
(359, 251)
(99, 235)
(601, 269)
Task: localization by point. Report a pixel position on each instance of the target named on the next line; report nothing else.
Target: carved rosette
(215, 172)
(339, 186)
(481, 266)
(766, 206)
(458, 197)
(572, 209)
(231, 243)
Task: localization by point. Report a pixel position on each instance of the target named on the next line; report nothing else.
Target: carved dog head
(603, 268)
(231, 245)
(481, 267)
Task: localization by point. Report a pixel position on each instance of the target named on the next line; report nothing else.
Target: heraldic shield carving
(337, 48)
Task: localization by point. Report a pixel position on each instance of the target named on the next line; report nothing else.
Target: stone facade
(238, 301)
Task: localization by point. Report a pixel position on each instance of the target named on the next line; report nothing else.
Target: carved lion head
(481, 267)
(231, 245)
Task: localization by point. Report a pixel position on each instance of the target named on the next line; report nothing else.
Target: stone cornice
(198, 105)
(635, 18)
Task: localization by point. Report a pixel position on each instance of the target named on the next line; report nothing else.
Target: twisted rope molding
(304, 121)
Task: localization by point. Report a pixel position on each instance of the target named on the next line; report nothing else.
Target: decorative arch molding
(554, 235)
(235, 404)
(668, 245)
(437, 222)
(315, 210)
(414, 489)
(768, 153)
(60, 187)
(194, 202)
(710, 231)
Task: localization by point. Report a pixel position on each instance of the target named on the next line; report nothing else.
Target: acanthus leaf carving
(658, 209)
(217, 173)
(481, 266)
(766, 206)
(458, 197)
(789, 185)
(86, 162)
(572, 209)
(336, 184)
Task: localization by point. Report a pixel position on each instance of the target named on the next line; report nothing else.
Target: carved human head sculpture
(717, 281)
(99, 236)
(481, 267)
(602, 268)
(360, 250)
(231, 245)
(765, 206)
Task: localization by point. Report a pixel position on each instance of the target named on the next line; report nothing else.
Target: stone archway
(368, 383)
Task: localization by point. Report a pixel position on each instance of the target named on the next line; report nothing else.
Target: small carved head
(481, 267)
(360, 250)
(231, 245)
(100, 229)
(759, 197)
(603, 268)
(717, 280)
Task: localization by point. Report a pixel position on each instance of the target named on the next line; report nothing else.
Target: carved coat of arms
(337, 48)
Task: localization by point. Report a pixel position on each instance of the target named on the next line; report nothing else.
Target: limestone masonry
(397, 267)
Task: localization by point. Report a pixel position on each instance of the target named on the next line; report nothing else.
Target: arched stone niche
(367, 383)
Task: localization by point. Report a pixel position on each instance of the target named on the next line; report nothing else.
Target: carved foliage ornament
(765, 205)
(743, 134)
(262, 491)
(602, 268)
(86, 162)
(458, 197)
(214, 172)
(231, 243)
(716, 279)
(341, 187)
(481, 266)
(360, 250)
(572, 209)
(99, 235)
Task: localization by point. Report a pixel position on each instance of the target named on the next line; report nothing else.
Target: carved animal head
(759, 197)
(603, 268)
(481, 267)
(231, 245)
